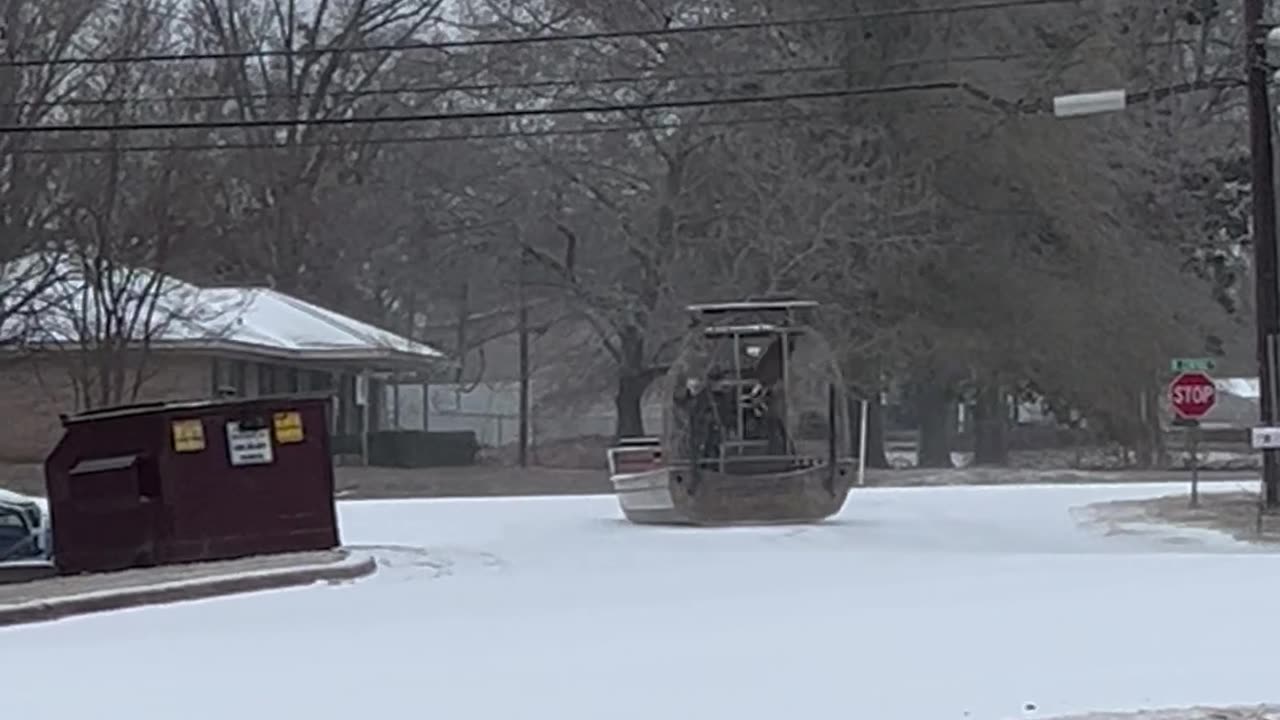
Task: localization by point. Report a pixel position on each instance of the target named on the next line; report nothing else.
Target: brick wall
(33, 392)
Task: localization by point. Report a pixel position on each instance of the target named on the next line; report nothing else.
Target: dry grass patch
(1235, 513)
(1254, 712)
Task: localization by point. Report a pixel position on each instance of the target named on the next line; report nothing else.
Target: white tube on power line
(1089, 103)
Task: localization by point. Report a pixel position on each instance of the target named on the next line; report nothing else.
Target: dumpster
(164, 483)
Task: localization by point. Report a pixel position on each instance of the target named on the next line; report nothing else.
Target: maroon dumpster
(182, 482)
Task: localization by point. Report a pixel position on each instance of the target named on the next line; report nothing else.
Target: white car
(24, 529)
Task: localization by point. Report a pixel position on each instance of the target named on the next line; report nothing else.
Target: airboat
(755, 428)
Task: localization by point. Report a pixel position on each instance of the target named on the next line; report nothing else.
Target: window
(266, 379)
(228, 374)
(286, 379)
(318, 380)
(239, 376)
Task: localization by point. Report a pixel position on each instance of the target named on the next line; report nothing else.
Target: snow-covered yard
(1093, 459)
(962, 602)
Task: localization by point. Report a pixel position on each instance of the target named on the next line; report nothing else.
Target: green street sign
(1179, 365)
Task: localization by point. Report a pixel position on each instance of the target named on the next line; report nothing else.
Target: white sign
(1265, 438)
(249, 447)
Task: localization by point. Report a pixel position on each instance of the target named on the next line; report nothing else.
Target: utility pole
(1263, 193)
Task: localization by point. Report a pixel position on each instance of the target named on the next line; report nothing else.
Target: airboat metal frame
(745, 483)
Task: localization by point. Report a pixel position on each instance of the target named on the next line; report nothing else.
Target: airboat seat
(754, 330)
(766, 371)
(733, 383)
(741, 306)
(757, 465)
(738, 447)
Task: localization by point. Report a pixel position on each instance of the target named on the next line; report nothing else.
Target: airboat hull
(754, 424)
(666, 496)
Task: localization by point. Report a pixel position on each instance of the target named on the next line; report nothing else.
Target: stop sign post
(1192, 395)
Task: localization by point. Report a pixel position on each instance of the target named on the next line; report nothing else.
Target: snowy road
(923, 604)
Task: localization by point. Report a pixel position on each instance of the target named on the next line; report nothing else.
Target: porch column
(426, 407)
(362, 399)
(395, 404)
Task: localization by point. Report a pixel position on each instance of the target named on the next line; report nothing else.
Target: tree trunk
(934, 412)
(629, 401)
(990, 426)
(876, 457)
(634, 377)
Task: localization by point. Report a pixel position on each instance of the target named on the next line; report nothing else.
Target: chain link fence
(576, 435)
(560, 435)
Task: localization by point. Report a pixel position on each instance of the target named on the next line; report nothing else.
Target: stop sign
(1192, 395)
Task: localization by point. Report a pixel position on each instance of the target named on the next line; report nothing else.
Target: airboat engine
(755, 428)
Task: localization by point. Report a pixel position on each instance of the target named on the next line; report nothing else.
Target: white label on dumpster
(249, 447)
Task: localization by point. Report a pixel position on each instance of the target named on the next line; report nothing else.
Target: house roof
(1245, 387)
(257, 321)
(267, 318)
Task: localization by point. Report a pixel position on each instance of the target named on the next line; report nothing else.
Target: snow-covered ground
(961, 602)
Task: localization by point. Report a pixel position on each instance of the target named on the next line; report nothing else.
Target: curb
(38, 611)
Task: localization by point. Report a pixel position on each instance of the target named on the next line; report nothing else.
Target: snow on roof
(233, 318)
(1239, 386)
(270, 318)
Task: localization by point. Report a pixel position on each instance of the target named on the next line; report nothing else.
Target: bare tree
(634, 207)
(276, 195)
(32, 200)
(1044, 226)
(116, 302)
(127, 216)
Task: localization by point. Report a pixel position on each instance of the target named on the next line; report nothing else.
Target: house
(82, 347)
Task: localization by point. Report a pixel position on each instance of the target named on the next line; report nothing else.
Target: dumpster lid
(104, 464)
(156, 407)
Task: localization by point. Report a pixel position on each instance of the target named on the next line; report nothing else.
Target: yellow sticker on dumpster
(289, 427)
(188, 435)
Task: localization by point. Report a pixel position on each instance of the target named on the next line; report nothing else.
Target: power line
(446, 45)
(488, 114)
(422, 139)
(530, 84)
(434, 88)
